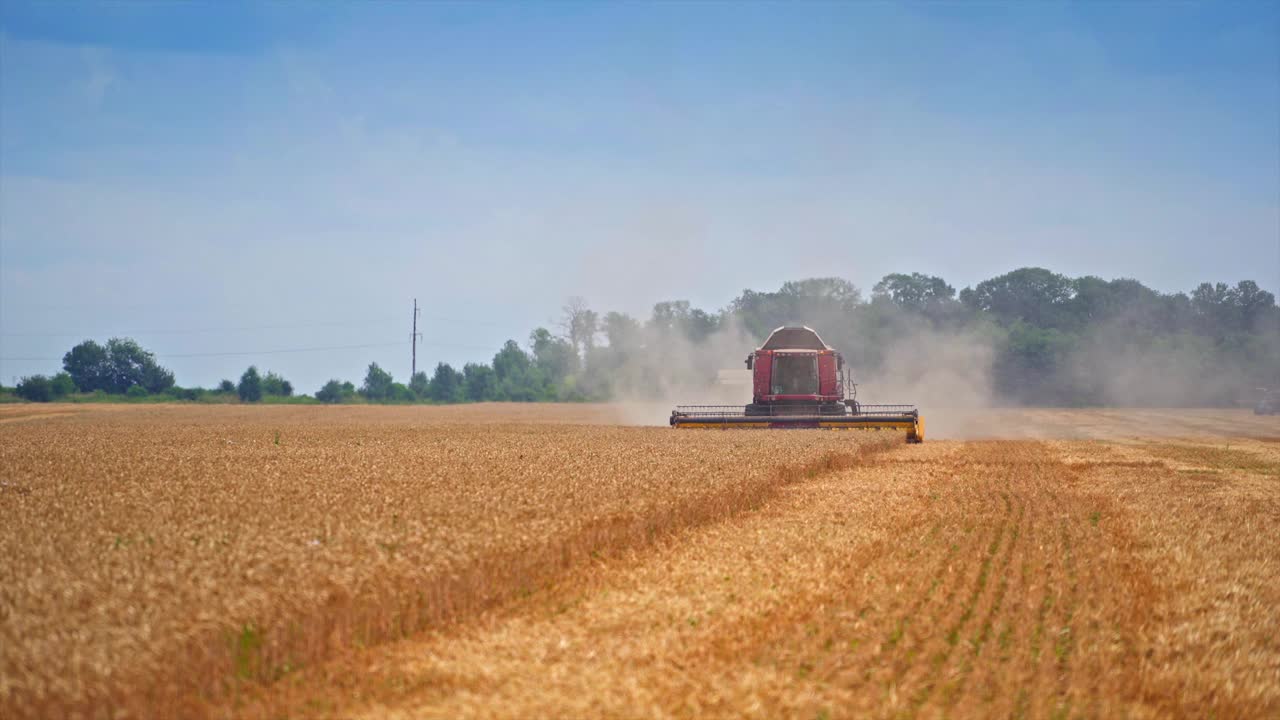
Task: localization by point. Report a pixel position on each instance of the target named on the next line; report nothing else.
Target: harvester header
(798, 381)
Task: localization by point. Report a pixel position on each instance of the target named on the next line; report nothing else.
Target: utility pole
(413, 340)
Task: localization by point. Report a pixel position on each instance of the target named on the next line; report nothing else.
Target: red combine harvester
(798, 381)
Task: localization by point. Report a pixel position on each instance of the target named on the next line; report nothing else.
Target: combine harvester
(800, 382)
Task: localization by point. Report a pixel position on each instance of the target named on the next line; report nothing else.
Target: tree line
(1048, 339)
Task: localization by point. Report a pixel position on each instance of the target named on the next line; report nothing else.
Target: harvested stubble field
(166, 560)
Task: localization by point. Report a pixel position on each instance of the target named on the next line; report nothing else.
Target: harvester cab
(798, 381)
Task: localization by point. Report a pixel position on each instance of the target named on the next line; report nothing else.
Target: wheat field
(542, 561)
(157, 559)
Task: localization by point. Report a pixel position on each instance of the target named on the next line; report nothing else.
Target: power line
(193, 331)
(235, 353)
(273, 352)
(196, 331)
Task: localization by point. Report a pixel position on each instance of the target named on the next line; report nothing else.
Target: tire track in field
(918, 621)
(936, 650)
(972, 626)
(894, 615)
(943, 670)
(985, 579)
(1042, 692)
(1005, 629)
(1064, 637)
(951, 551)
(978, 641)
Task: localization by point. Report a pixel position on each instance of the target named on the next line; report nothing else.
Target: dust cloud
(946, 374)
(1113, 370)
(677, 371)
(954, 376)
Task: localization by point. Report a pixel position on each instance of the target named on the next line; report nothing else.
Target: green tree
(155, 379)
(128, 364)
(273, 384)
(827, 304)
(1098, 301)
(553, 356)
(335, 391)
(916, 291)
(1254, 303)
(420, 384)
(194, 393)
(250, 387)
(446, 384)
(678, 318)
(517, 379)
(511, 361)
(622, 332)
(36, 388)
(1032, 295)
(479, 382)
(88, 366)
(62, 385)
(838, 291)
(377, 383)
(226, 386)
(115, 368)
(399, 392)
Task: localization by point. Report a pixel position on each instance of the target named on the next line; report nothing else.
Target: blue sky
(235, 178)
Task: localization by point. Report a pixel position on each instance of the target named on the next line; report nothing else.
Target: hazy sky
(231, 179)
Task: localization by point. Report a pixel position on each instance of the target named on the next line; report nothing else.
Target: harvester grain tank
(798, 381)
